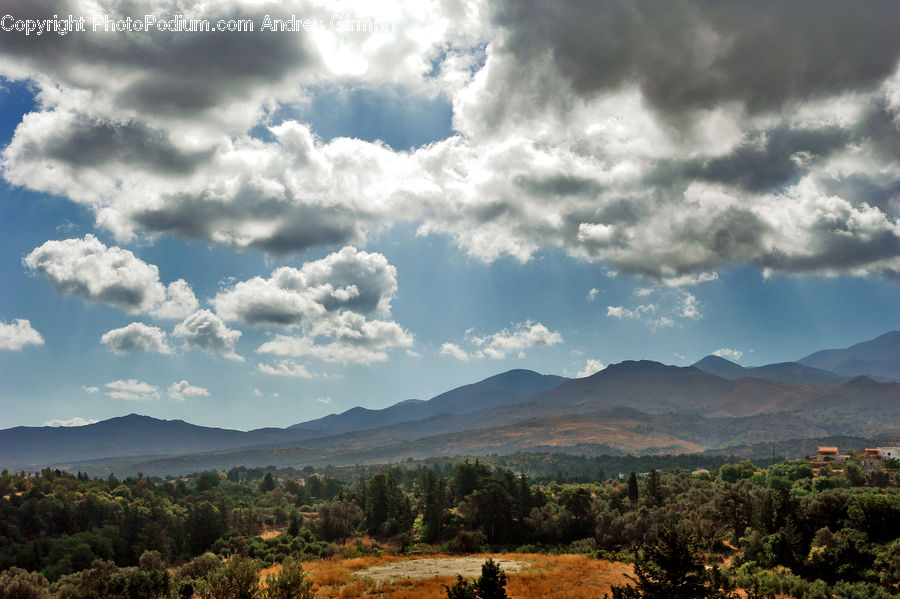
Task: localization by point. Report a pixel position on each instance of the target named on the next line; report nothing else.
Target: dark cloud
(90, 142)
(765, 161)
(170, 73)
(690, 54)
(294, 226)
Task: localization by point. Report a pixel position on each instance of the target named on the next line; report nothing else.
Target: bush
(238, 578)
(291, 583)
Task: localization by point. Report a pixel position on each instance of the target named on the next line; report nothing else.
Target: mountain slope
(506, 388)
(879, 357)
(785, 372)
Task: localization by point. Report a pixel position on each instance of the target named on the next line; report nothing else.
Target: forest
(786, 529)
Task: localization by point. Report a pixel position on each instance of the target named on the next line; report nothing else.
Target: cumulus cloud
(513, 340)
(286, 368)
(349, 339)
(76, 421)
(346, 280)
(136, 337)
(180, 390)
(454, 351)
(730, 354)
(592, 294)
(204, 330)
(666, 140)
(88, 269)
(131, 390)
(17, 334)
(592, 366)
(91, 388)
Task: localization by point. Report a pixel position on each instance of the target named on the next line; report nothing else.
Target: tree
(490, 585)
(669, 568)
(268, 483)
(492, 582)
(632, 489)
(433, 502)
(654, 486)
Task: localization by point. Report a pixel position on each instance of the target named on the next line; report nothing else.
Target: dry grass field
(528, 576)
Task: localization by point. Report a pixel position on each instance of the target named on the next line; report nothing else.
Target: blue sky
(255, 229)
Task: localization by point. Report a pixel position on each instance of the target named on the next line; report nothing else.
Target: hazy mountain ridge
(634, 406)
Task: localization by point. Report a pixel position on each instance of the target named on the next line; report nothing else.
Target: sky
(312, 206)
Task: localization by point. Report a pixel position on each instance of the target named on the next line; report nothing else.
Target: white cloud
(180, 301)
(136, 337)
(591, 367)
(206, 331)
(454, 351)
(731, 354)
(76, 421)
(131, 390)
(689, 307)
(286, 368)
(673, 306)
(180, 390)
(88, 269)
(324, 400)
(257, 393)
(90, 389)
(346, 280)
(514, 340)
(17, 334)
(592, 294)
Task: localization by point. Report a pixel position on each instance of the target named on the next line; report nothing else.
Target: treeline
(785, 529)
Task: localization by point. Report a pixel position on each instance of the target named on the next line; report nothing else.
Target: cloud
(286, 368)
(673, 305)
(454, 351)
(732, 354)
(324, 400)
(592, 294)
(513, 340)
(591, 367)
(136, 337)
(180, 301)
(131, 390)
(16, 335)
(90, 389)
(257, 393)
(346, 280)
(88, 269)
(658, 139)
(76, 421)
(354, 340)
(204, 330)
(180, 390)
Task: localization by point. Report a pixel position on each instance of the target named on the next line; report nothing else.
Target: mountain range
(630, 407)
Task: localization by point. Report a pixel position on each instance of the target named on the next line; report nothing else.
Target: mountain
(502, 389)
(135, 435)
(785, 372)
(634, 406)
(877, 358)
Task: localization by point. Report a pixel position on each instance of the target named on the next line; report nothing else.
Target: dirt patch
(429, 567)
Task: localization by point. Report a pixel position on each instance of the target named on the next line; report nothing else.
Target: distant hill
(785, 372)
(631, 407)
(506, 388)
(131, 435)
(879, 358)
